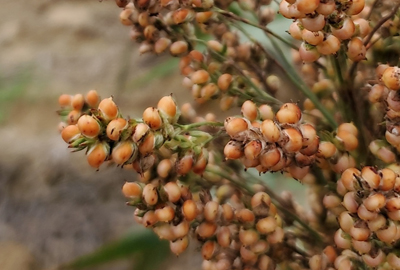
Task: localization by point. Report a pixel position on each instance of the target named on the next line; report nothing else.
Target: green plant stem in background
(290, 72)
(265, 29)
(140, 242)
(298, 82)
(200, 124)
(287, 68)
(261, 93)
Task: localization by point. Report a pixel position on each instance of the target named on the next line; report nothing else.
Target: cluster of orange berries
(208, 77)
(390, 79)
(232, 235)
(203, 79)
(324, 25)
(154, 22)
(277, 143)
(336, 154)
(280, 142)
(384, 96)
(72, 107)
(368, 211)
(155, 25)
(132, 143)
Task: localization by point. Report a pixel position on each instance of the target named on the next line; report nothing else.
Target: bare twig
(380, 23)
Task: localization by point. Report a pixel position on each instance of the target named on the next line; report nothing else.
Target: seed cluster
(323, 26)
(384, 96)
(107, 136)
(230, 68)
(280, 142)
(232, 235)
(204, 80)
(368, 214)
(390, 79)
(272, 145)
(170, 24)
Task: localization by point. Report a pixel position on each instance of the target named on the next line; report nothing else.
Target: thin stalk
(353, 67)
(213, 137)
(380, 23)
(298, 82)
(344, 100)
(265, 29)
(374, 5)
(237, 183)
(222, 58)
(238, 92)
(261, 77)
(253, 85)
(289, 71)
(200, 124)
(338, 70)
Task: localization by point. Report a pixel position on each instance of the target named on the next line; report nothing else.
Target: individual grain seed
(179, 246)
(132, 190)
(70, 133)
(108, 109)
(189, 210)
(97, 154)
(150, 194)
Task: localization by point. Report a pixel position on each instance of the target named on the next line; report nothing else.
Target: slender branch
(230, 62)
(261, 76)
(380, 23)
(252, 84)
(338, 70)
(374, 5)
(289, 71)
(298, 82)
(237, 92)
(200, 124)
(240, 184)
(372, 43)
(265, 29)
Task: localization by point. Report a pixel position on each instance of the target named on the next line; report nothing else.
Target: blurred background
(55, 210)
(53, 206)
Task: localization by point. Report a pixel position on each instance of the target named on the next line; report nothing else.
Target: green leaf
(147, 248)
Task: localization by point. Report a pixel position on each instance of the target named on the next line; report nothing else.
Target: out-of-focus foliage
(147, 249)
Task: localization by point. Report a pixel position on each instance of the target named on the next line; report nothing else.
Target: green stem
(238, 92)
(266, 30)
(338, 70)
(232, 180)
(200, 124)
(291, 74)
(222, 58)
(298, 82)
(213, 137)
